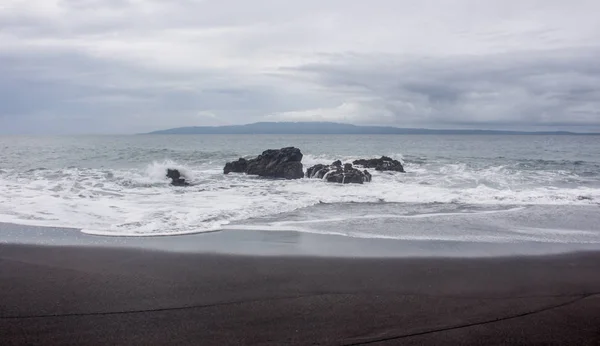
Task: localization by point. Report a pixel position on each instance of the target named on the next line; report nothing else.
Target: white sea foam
(490, 224)
(140, 201)
(345, 218)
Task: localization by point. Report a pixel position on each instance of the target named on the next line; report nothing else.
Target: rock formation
(238, 166)
(383, 164)
(177, 179)
(274, 163)
(336, 173)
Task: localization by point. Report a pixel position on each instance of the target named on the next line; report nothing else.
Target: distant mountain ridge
(329, 128)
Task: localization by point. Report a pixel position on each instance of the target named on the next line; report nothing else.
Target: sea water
(490, 188)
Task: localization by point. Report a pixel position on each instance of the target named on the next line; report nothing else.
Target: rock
(274, 163)
(316, 171)
(348, 176)
(334, 173)
(383, 164)
(177, 179)
(238, 166)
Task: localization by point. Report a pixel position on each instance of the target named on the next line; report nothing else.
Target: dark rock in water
(282, 163)
(337, 163)
(317, 171)
(336, 174)
(274, 163)
(383, 164)
(177, 179)
(348, 176)
(238, 166)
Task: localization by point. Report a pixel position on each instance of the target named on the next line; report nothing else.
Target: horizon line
(433, 130)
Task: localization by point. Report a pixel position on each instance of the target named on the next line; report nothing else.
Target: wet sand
(82, 295)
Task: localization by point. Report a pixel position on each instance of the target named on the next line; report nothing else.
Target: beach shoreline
(55, 294)
(253, 242)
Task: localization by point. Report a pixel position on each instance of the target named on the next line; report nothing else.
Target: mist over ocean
(486, 188)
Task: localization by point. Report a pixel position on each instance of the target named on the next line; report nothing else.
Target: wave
(140, 201)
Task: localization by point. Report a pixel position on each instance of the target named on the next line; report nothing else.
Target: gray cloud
(536, 89)
(125, 66)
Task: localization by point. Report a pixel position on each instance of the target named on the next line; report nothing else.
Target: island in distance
(329, 128)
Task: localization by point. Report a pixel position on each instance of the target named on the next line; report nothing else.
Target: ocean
(489, 188)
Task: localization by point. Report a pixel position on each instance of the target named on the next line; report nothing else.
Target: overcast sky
(127, 66)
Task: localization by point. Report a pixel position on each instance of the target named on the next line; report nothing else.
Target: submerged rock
(238, 166)
(335, 173)
(177, 179)
(382, 164)
(274, 163)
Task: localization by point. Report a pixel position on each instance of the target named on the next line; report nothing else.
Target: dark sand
(53, 295)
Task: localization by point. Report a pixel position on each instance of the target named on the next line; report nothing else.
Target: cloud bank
(127, 66)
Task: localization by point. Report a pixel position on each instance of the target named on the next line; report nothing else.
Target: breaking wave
(139, 201)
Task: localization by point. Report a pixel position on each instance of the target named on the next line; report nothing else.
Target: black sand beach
(57, 295)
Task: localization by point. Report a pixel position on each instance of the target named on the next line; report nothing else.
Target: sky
(131, 66)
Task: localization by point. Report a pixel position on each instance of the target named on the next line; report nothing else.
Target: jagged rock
(274, 163)
(383, 164)
(177, 179)
(238, 166)
(334, 173)
(317, 171)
